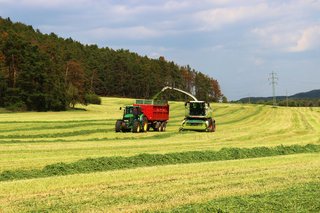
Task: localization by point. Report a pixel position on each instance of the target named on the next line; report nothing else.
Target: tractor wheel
(145, 126)
(118, 126)
(136, 126)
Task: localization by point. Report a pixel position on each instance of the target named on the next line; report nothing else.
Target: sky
(239, 43)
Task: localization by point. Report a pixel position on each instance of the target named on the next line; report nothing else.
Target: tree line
(45, 72)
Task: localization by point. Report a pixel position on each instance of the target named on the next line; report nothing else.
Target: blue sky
(237, 42)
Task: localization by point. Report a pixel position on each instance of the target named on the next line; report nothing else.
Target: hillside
(313, 94)
(46, 72)
(307, 95)
(260, 159)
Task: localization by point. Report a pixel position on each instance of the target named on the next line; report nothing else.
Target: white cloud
(276, 36)
(215, 18)
(52, 3)
(289, 38)
(309, 39)
(135, 32)
(258, 61)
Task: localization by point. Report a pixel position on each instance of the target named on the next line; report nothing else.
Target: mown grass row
(161, 135)
(48, 127)
(302, 198)
(145, 160)
(52, 121)
(57, 135)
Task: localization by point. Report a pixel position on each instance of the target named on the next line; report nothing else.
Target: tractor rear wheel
(145, 126)
(136, 126)
(118, 126)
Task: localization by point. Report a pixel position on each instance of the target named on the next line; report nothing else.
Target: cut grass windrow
(143, 160)
(163, 135)
(57, 135)
(59, 121)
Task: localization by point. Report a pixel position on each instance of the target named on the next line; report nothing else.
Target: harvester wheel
(213, 126)
(118, 126)
(136, 126)
(210, 125)
(145, 126)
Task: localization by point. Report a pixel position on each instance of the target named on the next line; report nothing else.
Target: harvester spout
(176, 89)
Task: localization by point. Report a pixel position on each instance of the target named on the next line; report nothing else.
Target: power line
(273, 81)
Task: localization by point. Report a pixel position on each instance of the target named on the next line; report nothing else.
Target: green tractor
(198, 117)
(133, 120)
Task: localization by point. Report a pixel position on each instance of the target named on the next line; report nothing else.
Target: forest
(42, 72)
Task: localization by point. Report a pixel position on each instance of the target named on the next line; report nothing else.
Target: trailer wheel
(157, 126)
(163, 126)
(136, 126)
(118, 126)
(145, 126)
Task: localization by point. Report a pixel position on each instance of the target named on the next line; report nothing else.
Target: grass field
(31, 143)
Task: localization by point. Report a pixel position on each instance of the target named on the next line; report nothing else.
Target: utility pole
(287, 101)
(273, 81)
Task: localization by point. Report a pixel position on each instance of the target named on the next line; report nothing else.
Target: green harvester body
(198, 117)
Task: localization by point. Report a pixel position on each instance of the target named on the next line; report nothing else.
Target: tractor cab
(130, 112)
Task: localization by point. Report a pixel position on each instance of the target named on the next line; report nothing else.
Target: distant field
(32, 141)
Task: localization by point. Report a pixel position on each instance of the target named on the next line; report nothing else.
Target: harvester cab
(133, 120)
(198, 117)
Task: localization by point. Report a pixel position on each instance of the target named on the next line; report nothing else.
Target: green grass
(31, 142)
(300, 198)
(159, 187)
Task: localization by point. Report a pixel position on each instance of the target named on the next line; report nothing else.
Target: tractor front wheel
(136, 126)
(118, 126)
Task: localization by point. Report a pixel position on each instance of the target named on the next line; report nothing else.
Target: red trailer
(157, 113)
